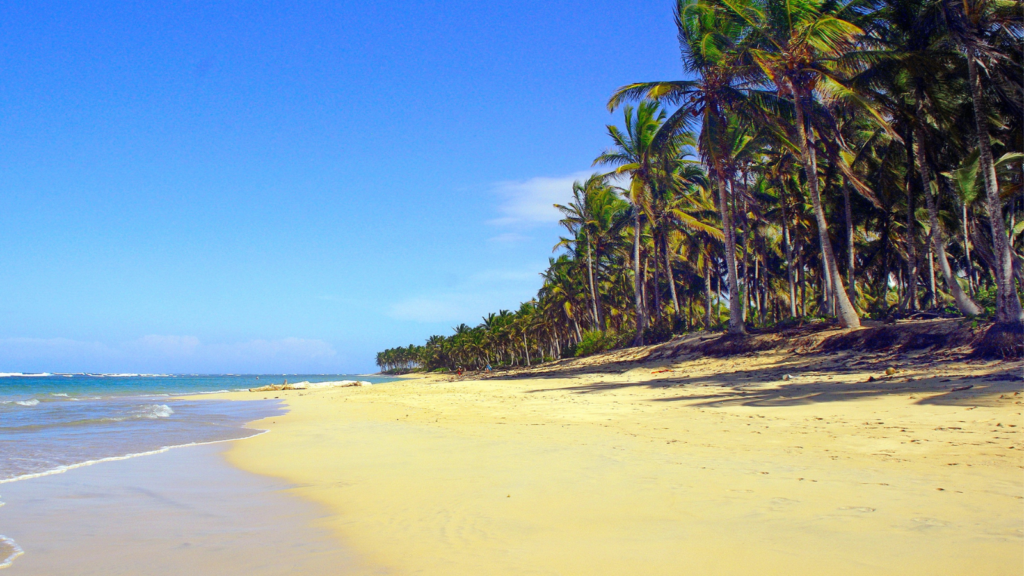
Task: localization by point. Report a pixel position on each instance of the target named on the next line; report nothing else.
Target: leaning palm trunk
(964, 304)
(967, 251)
(735, 304)
(671, 280)
(1008, 307)
(844, 308)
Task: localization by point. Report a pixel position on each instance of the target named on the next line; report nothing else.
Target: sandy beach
(767, 463)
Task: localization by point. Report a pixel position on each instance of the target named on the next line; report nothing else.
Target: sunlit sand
(769, 463)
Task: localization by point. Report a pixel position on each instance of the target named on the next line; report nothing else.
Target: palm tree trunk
(756, 280)
(707, 297)
(526, 347)
(718, 303)
(593, 291)
(735, 304)
(912, 268)
(657, 276)
(967, 251)
(743, 222)
(671, 278)
(801, 277)
(1008, 307)
(931, 273)
(851, 277)
(827, 303)
(964, 303)
(847, 314)
(641, 319)
(643, 294)
(789, 261)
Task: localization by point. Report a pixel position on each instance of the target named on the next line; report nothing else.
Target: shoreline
(161, 450)
(177, 512)
(713, 465)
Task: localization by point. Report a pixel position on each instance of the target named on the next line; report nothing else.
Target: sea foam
(155, 411)
(9, 550)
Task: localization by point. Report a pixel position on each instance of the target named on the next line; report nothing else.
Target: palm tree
(705, 39)
(796, 43)
(634, 153)
(783, 97)
(679, 203)
(915, 77)
(593, 213)
(975, 27)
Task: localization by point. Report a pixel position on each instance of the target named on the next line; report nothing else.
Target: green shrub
(595, 341)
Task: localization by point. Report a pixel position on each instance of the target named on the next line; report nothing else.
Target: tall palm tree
(679, 203)
(795, 43)
(593, 213)
(633, 154)
(706, 40)
(914, 78)
(975, 27)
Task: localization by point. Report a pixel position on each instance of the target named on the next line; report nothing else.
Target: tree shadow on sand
(766, 387)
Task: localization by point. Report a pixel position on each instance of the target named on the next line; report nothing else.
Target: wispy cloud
(531, 202)
(524, 207)
(469, 300)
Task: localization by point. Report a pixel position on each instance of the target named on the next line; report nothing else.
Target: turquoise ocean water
(53, 423)
(50, 423)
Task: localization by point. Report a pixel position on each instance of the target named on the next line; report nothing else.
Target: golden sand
(703, 466)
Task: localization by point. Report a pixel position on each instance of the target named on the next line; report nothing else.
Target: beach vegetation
(819, 160)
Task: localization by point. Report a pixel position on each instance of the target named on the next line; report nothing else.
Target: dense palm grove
(822, 159)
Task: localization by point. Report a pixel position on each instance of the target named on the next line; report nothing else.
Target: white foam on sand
(11, 548)
(63, 469)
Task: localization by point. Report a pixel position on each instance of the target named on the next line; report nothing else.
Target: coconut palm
(977, 27)
(706, 40)
(634, 153)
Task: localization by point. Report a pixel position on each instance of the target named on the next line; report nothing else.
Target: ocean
(52, 423)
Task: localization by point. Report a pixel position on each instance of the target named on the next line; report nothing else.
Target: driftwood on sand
(307, 385)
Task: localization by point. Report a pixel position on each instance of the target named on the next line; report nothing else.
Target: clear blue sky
(273, 186)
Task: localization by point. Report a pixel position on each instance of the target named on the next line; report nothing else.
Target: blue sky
(291, 187)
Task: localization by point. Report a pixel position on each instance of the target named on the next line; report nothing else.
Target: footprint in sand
(923, 523)
(862, 509)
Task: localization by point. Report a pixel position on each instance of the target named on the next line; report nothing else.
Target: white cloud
(531, 202)
(468, 301)
(524, 206)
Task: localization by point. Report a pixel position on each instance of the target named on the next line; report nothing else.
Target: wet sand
(185, 511)
(699, 465)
